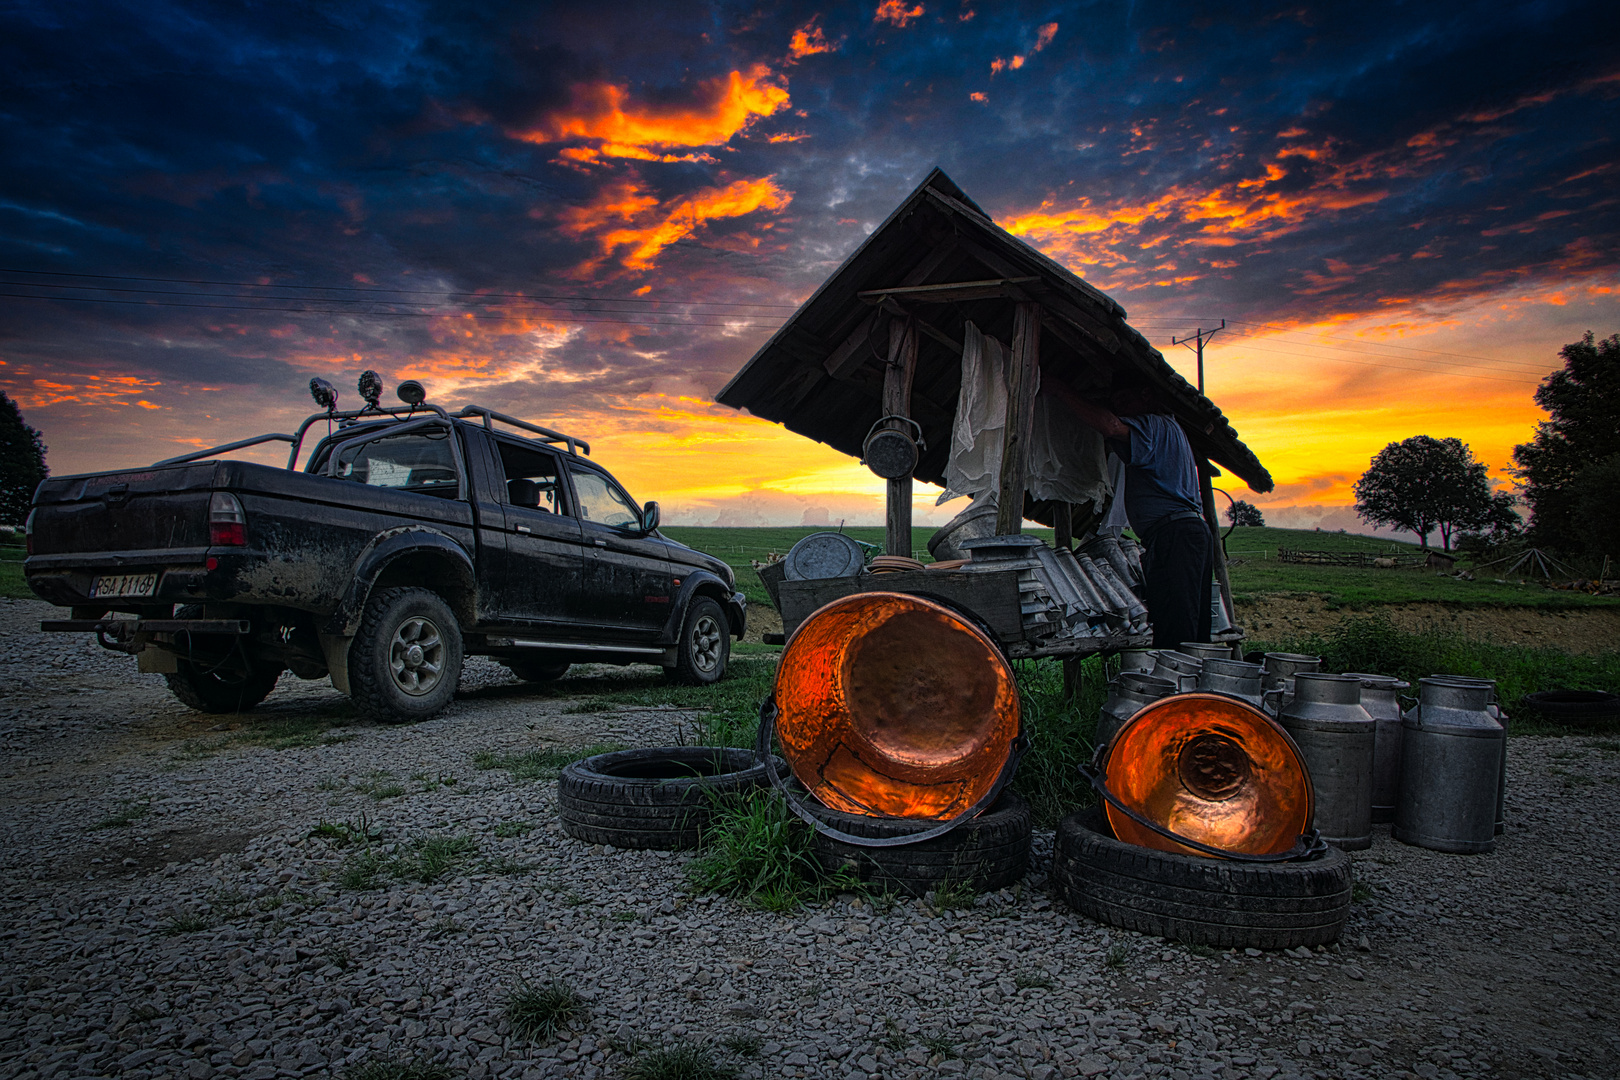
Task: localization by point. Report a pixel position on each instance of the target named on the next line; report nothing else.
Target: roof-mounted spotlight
(412, 393)
(371, 387)
(324, 393)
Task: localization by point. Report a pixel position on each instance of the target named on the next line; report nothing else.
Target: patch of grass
(571, 899)
(954, 895)
(379, 784)
(428, 858)
(433, 781)
(1360, 893)
(942, 1045)
(1608, 746)
(338, 957)
(1117, 955)
(893, 1037)
(537, 1013)
(445, 927)
(185, 924)
(506, 866)
(1203, 952)
(539, 764)
(683, 1061)
(757, 851)
(625, 916)
(1033, 979)
(1061, 733)
(743, 1044)
(358, 831)
(293, 732)
(508, 829)
(1373, 643)
(127, 814)
(271, 902)
(363, 870)
(398, 1069)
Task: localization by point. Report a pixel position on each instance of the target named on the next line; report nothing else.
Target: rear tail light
(227, 525)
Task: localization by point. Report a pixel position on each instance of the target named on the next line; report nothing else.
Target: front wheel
(704, 647)
(405, 660)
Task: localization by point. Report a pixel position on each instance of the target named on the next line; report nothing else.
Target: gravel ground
(168, 912)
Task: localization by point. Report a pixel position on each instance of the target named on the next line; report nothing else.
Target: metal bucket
(1281, 667)
(1178, 668)
(1232, 677)
(1452, 750)
(1337, 737)
(1140, 660)
(1380, 697)
(1128, 695)
(1501, 718)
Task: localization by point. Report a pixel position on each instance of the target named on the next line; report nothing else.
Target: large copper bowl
(895, 705)
(1211, 768)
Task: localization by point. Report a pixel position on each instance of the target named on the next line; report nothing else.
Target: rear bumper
(121, 629)
(183, 576)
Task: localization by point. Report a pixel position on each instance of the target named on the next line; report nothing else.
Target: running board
(560, 646)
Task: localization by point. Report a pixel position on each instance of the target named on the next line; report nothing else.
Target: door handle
(599, 543)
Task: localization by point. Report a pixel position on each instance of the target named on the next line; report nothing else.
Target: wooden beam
(949, 291)
(902, 368)
(851, 352)
(1062, 525)
(1023, 371)
(924, 325)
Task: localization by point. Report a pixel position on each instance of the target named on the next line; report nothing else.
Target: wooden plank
(1023, 372)
(948, 291)
(990, 597)
(897, 379)
(852, 351)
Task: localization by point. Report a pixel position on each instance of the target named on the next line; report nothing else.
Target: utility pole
(1201, 337)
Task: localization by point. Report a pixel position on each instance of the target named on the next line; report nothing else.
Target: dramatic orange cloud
(604, 116)
(625, 215)
(808, 40)
(896, 12)
(978, 95)
(1044, 37)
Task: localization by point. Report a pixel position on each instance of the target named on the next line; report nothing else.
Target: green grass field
(11, 575)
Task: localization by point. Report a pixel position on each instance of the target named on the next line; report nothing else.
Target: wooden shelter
(882, 337)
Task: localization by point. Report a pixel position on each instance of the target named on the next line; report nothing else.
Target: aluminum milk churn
(1128, 694)
(1178, 668)
(1380, 697)
(1203, 650)
(1501, 718)
(1137, 660)
(1281, 667)
(1451, 765)
(1232, 677)
(1336, 736)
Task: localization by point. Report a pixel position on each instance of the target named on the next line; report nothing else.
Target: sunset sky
(592, 215)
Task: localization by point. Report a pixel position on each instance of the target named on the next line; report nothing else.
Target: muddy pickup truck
(410, 538)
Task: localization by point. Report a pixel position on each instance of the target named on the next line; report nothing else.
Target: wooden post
(1023, 370)
(1063, 526)
(1219, 554)
(897, 376)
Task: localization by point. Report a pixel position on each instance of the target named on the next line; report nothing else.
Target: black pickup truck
(410, 538)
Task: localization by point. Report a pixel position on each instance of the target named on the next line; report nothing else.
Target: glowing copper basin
(895, 705)
(1213, 769)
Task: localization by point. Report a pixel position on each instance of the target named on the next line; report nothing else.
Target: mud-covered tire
(704, 646)
(538, 669)
(209, 689)
(390, 683)
(1577, 706)
(657, 798)
(989, 852)
(1196, 900)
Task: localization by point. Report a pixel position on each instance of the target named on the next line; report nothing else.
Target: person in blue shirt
(1163, 500)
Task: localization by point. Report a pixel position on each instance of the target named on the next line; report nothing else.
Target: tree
(22, 463)
(1245, 513)
(1422, 484)
(1582, 432)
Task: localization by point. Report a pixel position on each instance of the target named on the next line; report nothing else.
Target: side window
(532, 478)
(420, 461)
(601, 502)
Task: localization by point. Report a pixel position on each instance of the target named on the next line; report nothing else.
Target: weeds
(1032, 980)
(625, 916)
(379, 784)
(508, 829)
(338, 957)
(505, 866)
(445, 927)
(743, 1044)
(127, 814)
(683, 1061)
(425, 859)
(1203, 952)
(893, 1037)
(1060, 732)
(398, 1069)
(537, 1013)
(942, 1045)
(281, 733)
(538, 764)
(953, 896)
(757, 851)
(1117, 955)
(185, 924)
(434, 781)
(1360, 893)
(340, 834)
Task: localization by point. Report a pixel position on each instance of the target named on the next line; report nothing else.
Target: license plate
(123, 585)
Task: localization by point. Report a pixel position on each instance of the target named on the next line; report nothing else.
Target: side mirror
(649, 517)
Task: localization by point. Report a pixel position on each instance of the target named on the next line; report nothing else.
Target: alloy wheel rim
(706, 642)
(416, 656)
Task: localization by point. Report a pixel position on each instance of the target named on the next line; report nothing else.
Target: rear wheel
(405, 660)
(214, 675)
(537, 669)
(704, 647)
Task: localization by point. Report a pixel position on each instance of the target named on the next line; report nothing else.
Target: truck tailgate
(154, 516)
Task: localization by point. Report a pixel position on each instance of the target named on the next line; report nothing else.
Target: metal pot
(1281, 667)
(1178, 668)
(1380, 697)
(1452, 750)
(1233, 677)
(1127, 695)
(1500, 717)
(1337, 737)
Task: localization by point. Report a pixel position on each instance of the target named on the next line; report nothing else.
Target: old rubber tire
(235, 684)
(1197, 900)
(537, 669)
(406, 658)
(704, 646)
(985, 853)
(652, 798)
(1573, 705)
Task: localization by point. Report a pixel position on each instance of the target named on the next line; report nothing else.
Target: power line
(1168, 322)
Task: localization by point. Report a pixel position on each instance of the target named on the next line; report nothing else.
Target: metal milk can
(1380, 697)
(1336, 736)
(1451, 765)
(1281, 667)
(1232, 677)
(1127, 695)
(1178, 668)
(1136, 660)
(1501, 718)
(1203, 650)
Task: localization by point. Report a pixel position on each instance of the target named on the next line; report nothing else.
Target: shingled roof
(821, 374)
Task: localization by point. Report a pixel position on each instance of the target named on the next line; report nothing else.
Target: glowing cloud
(896, 12)
(1044, 37)
(604, 116)
(625, 215)
(808, 40)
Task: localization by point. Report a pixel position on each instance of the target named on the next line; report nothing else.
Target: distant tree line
(22, 463)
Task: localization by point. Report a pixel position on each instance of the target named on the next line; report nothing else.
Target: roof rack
(575, 446)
